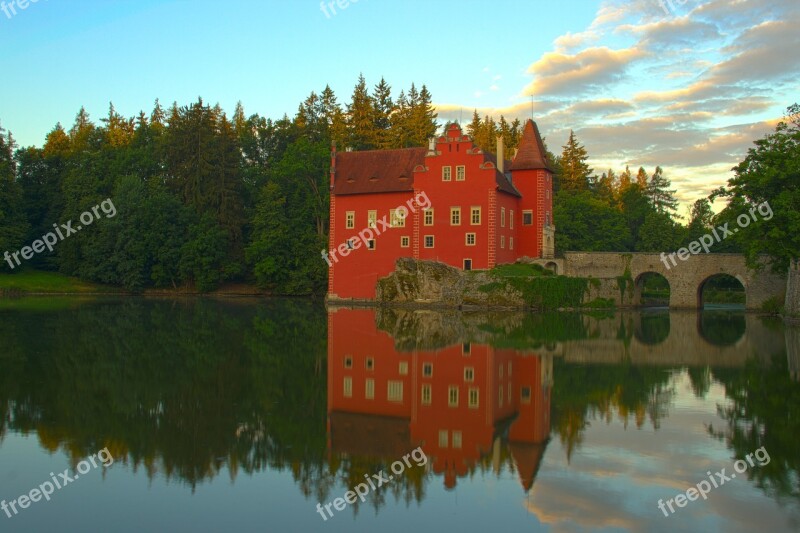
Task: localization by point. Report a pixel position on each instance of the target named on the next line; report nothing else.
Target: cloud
(562, 74)
(690, 90)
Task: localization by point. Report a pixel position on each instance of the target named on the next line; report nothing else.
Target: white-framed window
(500, 396)
(455, 216)
(427, 370)
(452, 396)
(502, 217)
(443, 438)
(469, 374)
(527, 218)
(447, 173)
(394, 392)
(348, 387)
(511, 219)
(474, 397)
(402, 368)
(426, 394)
(461, 173)
(428, 241)
(428, 217)
(470, 239)
(466, 349)
(398, 218)
(405, 241)
(350, 220)
(370, 244)
(351, 244)
(511, 243)
(348, 361)
(369, 389)
(369, 363)
(475, 216)
(457, 439)
(372, 218)
(502, 242)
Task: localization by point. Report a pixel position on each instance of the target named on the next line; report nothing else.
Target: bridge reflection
(463, 403)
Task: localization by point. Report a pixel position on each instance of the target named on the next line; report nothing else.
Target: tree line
(202, 198)
(638, 212)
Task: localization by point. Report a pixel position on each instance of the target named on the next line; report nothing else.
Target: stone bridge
(622, 276)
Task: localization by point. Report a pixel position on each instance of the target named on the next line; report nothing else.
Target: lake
(276, 415)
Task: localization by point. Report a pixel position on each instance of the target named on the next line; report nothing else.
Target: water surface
(245, 414)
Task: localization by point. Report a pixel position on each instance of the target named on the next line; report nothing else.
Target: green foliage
(769, 179)
(586, 223)
(520, 270)
(575, 173)
(539, 291)
(773, 306)
(13, 223)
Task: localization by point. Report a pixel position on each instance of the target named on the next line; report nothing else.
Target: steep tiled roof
(502, 181)
(377, 171)
(531, 154)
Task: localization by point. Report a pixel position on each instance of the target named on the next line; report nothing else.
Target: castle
(450, 202)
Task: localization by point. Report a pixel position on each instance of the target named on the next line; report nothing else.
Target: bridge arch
(651, 289)
(732, 288)
(552, 265)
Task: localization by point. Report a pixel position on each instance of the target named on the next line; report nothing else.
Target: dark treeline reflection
(764, 411)
(179, 388)
(190, 389)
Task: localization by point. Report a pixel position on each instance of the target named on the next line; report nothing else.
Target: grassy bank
(39, 282)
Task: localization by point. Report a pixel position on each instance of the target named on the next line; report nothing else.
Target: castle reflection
(464, 403)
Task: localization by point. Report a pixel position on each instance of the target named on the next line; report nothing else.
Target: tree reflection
(764, 411)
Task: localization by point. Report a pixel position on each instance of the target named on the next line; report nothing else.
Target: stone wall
(685, 279)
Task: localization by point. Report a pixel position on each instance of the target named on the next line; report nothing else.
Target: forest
(204, 199)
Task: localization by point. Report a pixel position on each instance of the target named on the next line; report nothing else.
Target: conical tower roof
(531, 154)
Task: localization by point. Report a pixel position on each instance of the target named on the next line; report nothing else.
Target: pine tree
(661, 197)
(333, 116)
(13, 224)
(361, 118)
(383, 105)
(642, 179)
(575, 173)
(423, 116)
(474, 127)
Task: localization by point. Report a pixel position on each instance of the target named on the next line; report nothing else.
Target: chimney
(501, 155)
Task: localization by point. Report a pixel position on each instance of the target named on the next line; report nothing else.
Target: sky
(684, 84)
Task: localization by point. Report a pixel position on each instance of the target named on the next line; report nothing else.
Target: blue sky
(688, 86)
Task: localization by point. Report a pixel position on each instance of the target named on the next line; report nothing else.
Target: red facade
(453, 203)
(453, 401)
